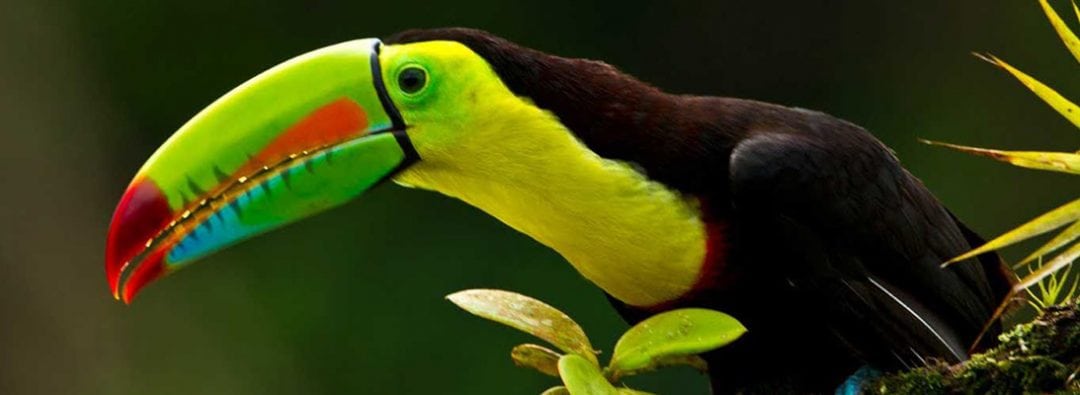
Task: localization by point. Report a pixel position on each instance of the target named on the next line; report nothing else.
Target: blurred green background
(351, 301)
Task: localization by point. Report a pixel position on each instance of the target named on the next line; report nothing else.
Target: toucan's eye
(412, 79)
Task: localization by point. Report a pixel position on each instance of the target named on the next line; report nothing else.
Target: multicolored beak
(302, 137)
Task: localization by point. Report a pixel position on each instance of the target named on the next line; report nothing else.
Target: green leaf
(1054, 219)
(1062, 239)
(582, 377)
(628, 391)
(1048, 268)
(670, 335)
(696, 362)
(560, 390)
(536, 357)
(693, 361)
(1062, 105)
(1053, 290)
(1076, 10)
(528, 315)
(1067, 36)
(1066, 162)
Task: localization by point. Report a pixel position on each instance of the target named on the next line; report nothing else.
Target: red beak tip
(151, 268)
(143, 211)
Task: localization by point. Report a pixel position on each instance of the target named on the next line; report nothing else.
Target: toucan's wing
(862, 240)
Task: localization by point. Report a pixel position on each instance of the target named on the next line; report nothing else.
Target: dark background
(351, 301)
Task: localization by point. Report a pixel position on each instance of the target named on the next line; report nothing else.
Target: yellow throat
(636, 239)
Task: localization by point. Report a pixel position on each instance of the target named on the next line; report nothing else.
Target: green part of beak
(251, 124)
(304, 186)
(302, 137)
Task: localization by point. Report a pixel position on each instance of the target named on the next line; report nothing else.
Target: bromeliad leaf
(582, 377)
(669, 335)
(1053, 290)
(1054, 219)
(1076, 10)
(1063, 106)
(1071, 254)
(1062, 239)
(1066, 162)
(1067, 36)
(529, 315)
(536, 357)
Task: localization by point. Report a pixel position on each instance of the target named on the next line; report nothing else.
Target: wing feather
(851, 230)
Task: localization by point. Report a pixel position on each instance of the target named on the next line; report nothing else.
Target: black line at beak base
(397, 122)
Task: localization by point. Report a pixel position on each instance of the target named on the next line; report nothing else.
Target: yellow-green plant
(1066, 216)
(1053, 290)
(666, 339)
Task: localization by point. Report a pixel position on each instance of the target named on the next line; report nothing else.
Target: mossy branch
(1042, 356)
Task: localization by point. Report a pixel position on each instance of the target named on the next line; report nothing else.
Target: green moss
(918, 381)
(1038, 357)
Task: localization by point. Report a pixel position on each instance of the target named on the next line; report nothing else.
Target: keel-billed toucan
(801, 225)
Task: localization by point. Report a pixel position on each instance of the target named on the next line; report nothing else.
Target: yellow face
(465, 123)
(445, 92)
(479, 142)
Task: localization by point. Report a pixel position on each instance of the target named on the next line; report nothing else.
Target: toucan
(801, 225)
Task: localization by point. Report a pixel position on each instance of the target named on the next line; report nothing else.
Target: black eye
(412, 79)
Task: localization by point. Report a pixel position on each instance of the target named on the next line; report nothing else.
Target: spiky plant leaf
(670, 335)
(1053, 290)
(1062, 105)
(1054, 219)
(1067, 36)
(536, 357)
(582, 377)
(1076, 10)
(528, 315)
(1062, 239)
(1066, 162)
(1050, 267)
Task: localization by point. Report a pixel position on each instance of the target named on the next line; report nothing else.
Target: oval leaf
(1054, 219)
(627, 391)
(560, 390)
(694, 361)
(529, 315)
(536, 357)
(1066, 162)
(672, 334)
(582, 377)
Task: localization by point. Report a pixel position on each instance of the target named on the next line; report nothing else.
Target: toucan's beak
(304, 136)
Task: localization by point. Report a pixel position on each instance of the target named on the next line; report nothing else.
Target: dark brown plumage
(832, 248)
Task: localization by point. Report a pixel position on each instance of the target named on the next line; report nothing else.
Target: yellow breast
(635, 238)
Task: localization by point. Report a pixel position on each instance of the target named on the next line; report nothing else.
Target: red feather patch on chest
(712, 273)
